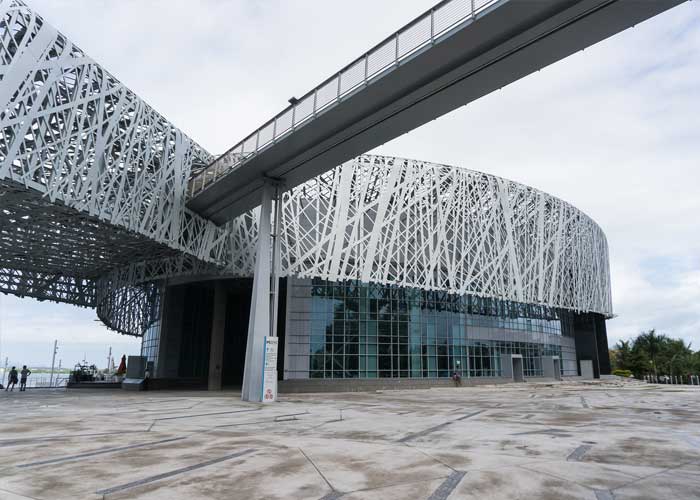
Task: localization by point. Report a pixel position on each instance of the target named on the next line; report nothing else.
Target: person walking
(23, 378)
(12, 381)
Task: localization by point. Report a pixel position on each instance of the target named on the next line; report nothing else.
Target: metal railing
(421, 32)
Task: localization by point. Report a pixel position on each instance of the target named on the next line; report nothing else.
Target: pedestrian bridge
(457, 52)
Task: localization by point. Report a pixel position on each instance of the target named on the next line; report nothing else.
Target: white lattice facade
(91, 177)
(436, 227)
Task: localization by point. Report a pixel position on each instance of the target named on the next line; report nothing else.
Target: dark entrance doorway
(238, 298)
(237, 311)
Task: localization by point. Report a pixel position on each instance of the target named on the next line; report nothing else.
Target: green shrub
(622, 373)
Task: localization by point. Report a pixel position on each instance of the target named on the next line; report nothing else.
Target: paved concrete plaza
(569, 440)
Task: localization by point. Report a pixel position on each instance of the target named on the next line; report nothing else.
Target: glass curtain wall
(359, 330)
(150, 342)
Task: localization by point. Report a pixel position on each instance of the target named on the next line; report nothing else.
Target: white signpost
(269, 387)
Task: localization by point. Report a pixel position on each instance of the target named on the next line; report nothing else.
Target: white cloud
(612, 129)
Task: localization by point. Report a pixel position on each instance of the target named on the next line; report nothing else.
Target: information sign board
(269, 389)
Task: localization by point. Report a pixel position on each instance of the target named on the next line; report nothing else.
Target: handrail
(386, 55)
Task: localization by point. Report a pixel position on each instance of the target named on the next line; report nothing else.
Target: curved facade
(399, 268)
(436, 227)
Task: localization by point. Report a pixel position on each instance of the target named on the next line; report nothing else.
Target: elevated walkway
(453, 54)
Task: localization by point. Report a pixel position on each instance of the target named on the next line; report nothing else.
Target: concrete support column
(172, 304)
(218, 325)
(259, 322)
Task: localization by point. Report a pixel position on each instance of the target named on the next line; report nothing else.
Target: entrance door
(518, 372)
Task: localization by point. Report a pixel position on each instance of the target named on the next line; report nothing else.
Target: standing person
(23, 380)
(12, 381)
(122, 366)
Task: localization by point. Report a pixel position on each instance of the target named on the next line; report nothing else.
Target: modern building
(390, 269)
(403, 269)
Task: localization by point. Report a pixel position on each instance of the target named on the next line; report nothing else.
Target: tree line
(651, 353)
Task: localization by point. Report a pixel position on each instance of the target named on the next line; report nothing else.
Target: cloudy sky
(614, 129)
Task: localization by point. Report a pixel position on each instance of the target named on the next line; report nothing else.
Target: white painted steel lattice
(91, 177)
(436, 227)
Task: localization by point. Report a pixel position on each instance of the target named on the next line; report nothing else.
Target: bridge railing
(367, 68)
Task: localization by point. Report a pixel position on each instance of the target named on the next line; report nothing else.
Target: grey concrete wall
(368, 385)
(171, 332)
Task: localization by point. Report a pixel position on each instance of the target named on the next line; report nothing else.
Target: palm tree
(622, 352)
(651, 343)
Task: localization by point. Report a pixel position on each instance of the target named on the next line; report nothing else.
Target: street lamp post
(53, 361)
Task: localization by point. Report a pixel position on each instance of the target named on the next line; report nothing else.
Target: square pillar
(218, 326)
(259, 322)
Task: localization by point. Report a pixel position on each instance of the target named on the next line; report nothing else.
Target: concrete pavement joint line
(175, 472)
(333, 490)
(275, 419)
(150, 401)
(393, 485)
(14, 442)
(207, 414)
(662, 471)
(549, 431)
(578, 453)
(438, 427)
(556, 476)
(19, 494)
(333, 495)
(603, 495)
(431, 457)
(470, 415)
(447, 486)
(97, 452)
